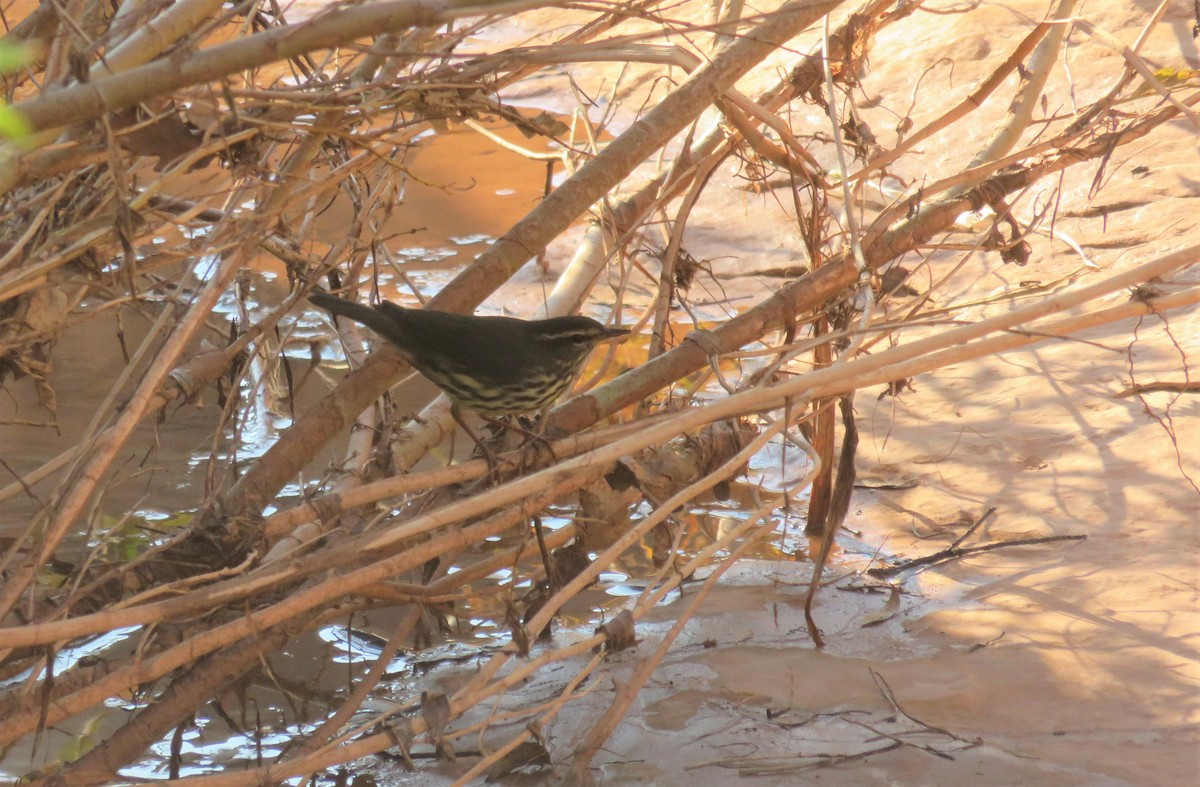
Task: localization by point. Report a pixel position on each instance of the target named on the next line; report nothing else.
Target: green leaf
(13, 124)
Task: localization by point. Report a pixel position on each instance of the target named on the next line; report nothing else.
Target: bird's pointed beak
(612, 333)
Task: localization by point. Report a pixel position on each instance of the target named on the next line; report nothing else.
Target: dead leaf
(528, 754)
(887, 613)
(435, 710)
(618, 633)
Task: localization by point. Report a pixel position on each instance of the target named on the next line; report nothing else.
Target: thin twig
(948, 554)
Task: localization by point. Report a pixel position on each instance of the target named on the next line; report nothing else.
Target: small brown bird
(490, 365)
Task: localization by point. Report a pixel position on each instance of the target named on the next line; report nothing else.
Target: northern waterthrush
(489, 365)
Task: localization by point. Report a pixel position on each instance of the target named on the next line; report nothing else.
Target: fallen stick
(954, 553)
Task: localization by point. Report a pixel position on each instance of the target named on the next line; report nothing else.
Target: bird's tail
(376, 320)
